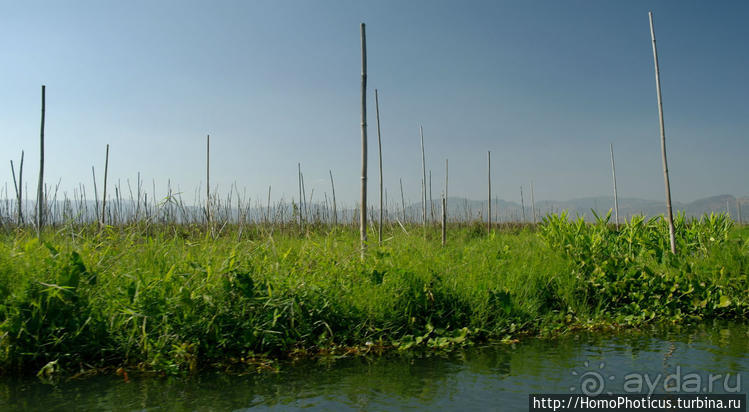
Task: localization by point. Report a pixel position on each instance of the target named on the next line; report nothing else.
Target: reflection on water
(496, 376)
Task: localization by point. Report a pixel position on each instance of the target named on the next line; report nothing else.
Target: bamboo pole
(379, 147)
(446, 178)
(423, 182)
(489, 199)
(403, 201)
(17, 185)
(40, 187)
(335, 212)
(137, 199)
(663, 139)
(444, 221)
(363, 215)
(103, 221)
(15, 188)
(533, 203)
(304, 201)
(208, 179)
(522, 203)
(267, 210)
(299, 178)
(20, 190)
(738, 210)
(616, 198)
(431, 201)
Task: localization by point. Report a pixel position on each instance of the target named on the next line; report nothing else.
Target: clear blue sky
(544, 85)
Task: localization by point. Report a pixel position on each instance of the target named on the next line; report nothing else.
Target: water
(493, 376)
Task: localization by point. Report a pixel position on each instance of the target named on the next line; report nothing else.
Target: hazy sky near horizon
(544, 85)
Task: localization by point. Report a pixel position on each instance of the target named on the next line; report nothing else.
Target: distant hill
(503, 210)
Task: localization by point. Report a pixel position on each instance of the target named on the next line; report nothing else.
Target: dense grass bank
(174, 298)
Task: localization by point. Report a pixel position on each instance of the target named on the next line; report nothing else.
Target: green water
(498, 377)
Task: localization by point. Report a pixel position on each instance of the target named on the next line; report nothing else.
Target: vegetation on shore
(176, 298)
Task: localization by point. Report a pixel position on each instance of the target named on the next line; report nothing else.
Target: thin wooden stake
(299, 178)
(446, 179)
(738, 210)
(40, 187)
(363, 215)
(335, 212)
(533, 203)
(403, 201)
(489, 199)
(663, 139)
(613, 171)
(267, 211)
(444, 221)
(379, 146)
(304, 201)
(423, 183)
(208, 179)
(431, 201)
(103, 221)
(19, 189)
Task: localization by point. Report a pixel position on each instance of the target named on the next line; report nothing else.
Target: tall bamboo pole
(363, 215)
(446, 178)
(15, 188)
(663, 139)
(533, 203)
(40, 187)
(738, 210)
(137, 200)
(104, 198)
(267, 210)
(431, 201)
(444, 220)
(446, 187)
(489, 199)
(208, 179)
(304, 200)
(335, 212)
(96, 194)
(613, 171)
(18, 189)
(379, 147)
(403, 201)
(423, 182)
(299, 178)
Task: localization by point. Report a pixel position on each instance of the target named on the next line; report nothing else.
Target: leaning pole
(663, 140)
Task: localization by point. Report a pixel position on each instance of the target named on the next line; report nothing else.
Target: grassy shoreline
(173, 299)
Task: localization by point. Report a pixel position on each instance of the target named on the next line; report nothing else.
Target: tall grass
(175, 297)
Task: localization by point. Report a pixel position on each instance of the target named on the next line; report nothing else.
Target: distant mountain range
(503, 210)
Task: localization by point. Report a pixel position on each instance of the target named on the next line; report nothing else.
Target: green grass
(174, 299)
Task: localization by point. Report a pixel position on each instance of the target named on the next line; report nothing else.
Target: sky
(544, 85)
